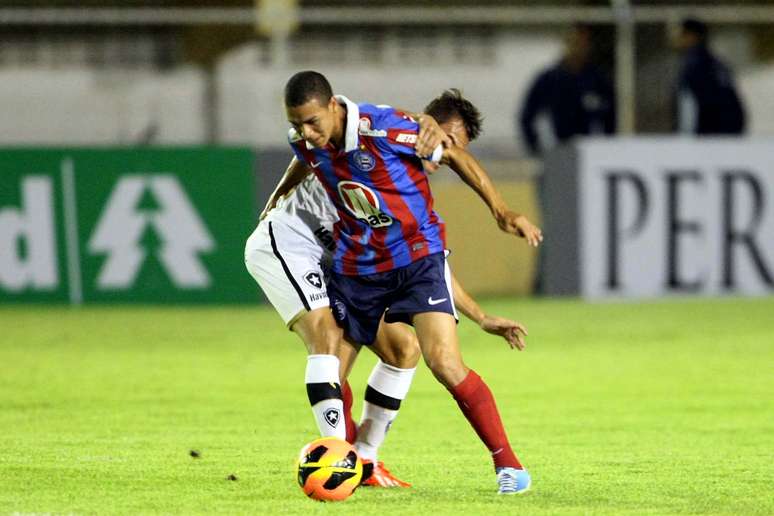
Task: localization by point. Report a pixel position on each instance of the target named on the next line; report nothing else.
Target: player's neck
(339, 129)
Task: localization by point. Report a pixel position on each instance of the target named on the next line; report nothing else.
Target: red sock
(346, 394)
(477, 403)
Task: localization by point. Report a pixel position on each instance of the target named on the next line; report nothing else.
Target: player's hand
(430, 136)
(516, 224)
(511, 331)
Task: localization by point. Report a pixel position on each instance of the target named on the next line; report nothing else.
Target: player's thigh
(396, 345)
(319, 331)
(285, 262)
(437, 335)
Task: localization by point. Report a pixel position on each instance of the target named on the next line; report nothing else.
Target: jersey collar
(351, 140)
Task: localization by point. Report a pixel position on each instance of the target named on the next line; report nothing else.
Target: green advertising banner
(157, 225)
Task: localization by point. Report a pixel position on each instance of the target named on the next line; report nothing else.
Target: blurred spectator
(574, 94)
(706, 98)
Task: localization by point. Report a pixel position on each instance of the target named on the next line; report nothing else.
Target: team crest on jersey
(313, 278)
(364, 128)
(363, 203)
(364, 160)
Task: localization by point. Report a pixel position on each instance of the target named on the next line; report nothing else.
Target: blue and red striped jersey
(380, 190)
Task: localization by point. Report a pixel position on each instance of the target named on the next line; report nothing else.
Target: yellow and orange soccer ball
(329, 469)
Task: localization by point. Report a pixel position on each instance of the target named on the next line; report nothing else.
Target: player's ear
(332, 104)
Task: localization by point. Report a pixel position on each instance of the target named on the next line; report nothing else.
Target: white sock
(387, 387)
(324, 391)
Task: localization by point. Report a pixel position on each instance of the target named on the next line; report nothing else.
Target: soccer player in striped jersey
(389, 259)
(285, 262)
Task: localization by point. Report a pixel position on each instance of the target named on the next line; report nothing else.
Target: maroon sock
(477, 403)
(346, 394)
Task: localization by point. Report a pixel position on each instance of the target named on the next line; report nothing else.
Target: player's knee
(410, 356)
(327, 341)
(446, 369)
(404, 357)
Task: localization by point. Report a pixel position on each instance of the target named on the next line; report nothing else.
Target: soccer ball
(329, 469)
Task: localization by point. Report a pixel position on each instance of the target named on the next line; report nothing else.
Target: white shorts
(286, 263)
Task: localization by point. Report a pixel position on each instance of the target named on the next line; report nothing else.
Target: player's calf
(387, 388)
(322, 338)
(324, 393)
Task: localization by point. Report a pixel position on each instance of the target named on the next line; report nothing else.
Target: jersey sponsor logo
(318, 296)
(364, 160)
(332, 417)
(313, 278)
(362, 202)
(431, 301)
(406, 138)
(364, 128)
(314, 164)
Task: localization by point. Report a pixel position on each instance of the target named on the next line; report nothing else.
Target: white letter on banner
(32, 223)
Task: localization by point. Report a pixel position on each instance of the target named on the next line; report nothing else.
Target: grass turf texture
(653, 408)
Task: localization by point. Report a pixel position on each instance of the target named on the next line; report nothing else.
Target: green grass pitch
(652, 408)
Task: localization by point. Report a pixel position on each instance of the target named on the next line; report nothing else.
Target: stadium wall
(85, 106)
(250, 94)
(239, 102)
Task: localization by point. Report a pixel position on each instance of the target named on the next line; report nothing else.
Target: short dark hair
(452, 104)
(697, 27)
(305, 86)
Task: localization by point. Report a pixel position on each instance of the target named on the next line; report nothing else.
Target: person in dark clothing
(706, 100)
(573, 93)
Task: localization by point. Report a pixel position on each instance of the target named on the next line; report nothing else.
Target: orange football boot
(381, 476)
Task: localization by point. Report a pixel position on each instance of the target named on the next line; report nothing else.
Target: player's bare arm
(474, 175)
(294, 174)
(512, 331)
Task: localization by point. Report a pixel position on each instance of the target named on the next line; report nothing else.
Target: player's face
(455, 128)
(312, 121)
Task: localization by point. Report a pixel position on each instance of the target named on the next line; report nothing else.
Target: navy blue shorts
(358, 302)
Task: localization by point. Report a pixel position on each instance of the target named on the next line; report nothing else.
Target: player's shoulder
(385, 124)
(384, 117)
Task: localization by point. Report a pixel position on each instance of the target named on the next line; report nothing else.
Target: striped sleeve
(402, 132)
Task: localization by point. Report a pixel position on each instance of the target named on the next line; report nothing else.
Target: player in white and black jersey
(288, 254)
